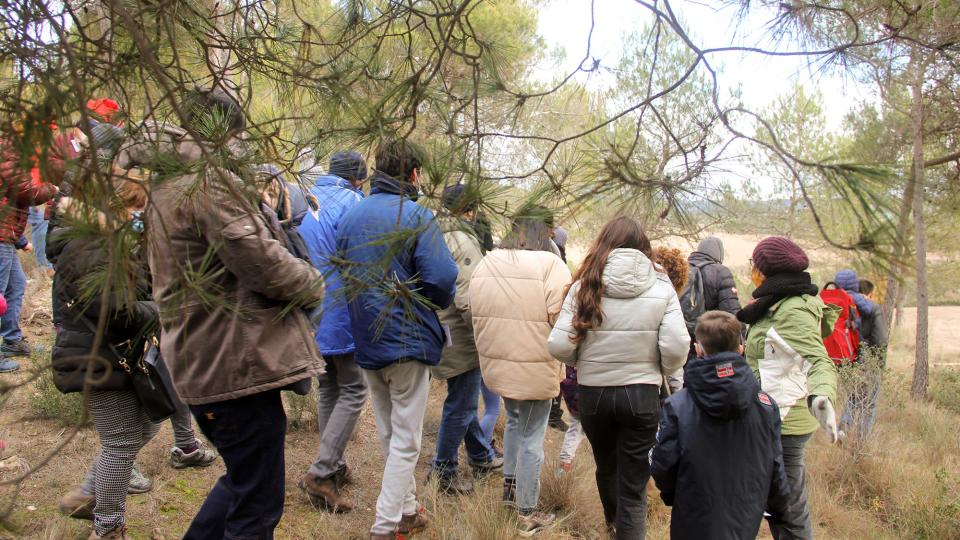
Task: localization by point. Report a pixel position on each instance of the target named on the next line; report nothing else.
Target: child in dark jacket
(718, 460)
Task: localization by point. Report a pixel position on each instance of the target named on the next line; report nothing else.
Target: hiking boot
(139, 483)
(15, 348)
(452, 484)
(343, 477)
(201, 457)
(484, 469)
(411, 523)
(534, 522)
(77, 504)
(323, 494)
(120, 533)
(8, 366)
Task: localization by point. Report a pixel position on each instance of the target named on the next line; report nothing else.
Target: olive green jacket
(460, 353)
(785, 350)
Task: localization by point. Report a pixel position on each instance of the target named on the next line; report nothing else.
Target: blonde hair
(131, 189)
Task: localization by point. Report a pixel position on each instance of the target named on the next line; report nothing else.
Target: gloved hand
(822, 410)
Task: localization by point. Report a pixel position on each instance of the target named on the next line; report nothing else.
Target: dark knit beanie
(348, 165)
(779, 255)
(456, 200)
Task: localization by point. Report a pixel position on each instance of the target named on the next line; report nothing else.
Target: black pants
(247, 502)
(621, 424)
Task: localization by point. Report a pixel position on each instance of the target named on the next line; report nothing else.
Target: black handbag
(151, 380)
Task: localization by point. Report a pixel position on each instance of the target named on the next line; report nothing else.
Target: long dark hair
(621, 232)
(527, 233)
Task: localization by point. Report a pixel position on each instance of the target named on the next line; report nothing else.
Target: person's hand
(822, 410)
(28, 248)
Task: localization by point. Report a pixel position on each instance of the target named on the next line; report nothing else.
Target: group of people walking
(253, 285)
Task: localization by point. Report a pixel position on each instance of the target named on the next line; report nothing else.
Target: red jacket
(21, 188)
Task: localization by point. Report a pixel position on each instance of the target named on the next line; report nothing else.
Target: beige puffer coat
(515, 297)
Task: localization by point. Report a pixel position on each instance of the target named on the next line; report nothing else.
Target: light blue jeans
(523, 447)
(13, 283)
(491, 411)
(38, 236)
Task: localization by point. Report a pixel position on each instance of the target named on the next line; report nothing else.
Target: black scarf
(772, 290)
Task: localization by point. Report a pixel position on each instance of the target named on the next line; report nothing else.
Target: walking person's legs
(533, 418)
(399, 396)
(571, 442)
(187, 450)
(38, 236)
(341, 392)
(247, 501)
(796, 523)
(13, 284)
(597, 418)
(123, 429)
(638, 414)
(459, 415)
(491, 411)
(511, 450)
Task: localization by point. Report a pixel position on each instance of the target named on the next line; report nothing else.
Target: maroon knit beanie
(778, 255)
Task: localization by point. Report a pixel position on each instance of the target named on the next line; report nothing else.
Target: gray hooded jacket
(643, 335)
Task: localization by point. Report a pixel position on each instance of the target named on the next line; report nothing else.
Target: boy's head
(866, 287)
(399, 159)
(716, 332)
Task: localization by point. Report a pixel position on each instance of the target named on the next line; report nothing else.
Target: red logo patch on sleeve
(765, 399)
(725, 370)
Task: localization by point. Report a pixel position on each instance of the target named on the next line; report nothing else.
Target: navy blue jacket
(718, 459)
(319, 231)
(397, 271)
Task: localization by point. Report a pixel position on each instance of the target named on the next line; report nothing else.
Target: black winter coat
(81, 262)
(718, 459)
(719, 288)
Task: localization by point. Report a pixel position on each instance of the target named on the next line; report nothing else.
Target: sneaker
(483, 469)
(139, 483)
(452, 484)
(120, 533)
(201, 457)
(343, 477)
(15, 348)
(534, 522)
(8, 366)
(324, 495)
(411, 523)
(77, 504)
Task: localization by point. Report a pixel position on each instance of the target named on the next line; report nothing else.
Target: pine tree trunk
(918, 389)
(895, 286)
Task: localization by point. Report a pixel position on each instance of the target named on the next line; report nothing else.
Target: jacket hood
(384, 183)
(722, 384)
(847, 280)
(712, 247)
(628, 274)
(329, 180)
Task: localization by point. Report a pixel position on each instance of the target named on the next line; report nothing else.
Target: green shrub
(45, 401)
(945, 389)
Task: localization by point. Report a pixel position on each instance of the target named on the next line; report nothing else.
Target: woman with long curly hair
(622, 328)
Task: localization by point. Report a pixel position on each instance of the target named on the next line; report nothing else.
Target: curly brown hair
(674, 264)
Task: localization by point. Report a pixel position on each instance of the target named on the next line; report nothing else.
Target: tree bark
(918, 390)
(895, 285)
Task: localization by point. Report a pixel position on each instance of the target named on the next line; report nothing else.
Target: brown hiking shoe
(78, 504)
(120, 533)
(343, 477)
(411, 523)
(323, 494)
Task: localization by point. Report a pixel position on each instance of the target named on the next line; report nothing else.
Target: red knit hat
(102, 109)
(778, 255)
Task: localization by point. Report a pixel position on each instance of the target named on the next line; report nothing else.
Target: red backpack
(844, 343)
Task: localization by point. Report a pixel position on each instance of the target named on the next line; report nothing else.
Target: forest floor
(903, 483)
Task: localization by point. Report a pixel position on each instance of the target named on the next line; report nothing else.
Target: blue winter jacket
(398, 271)
(319, 231)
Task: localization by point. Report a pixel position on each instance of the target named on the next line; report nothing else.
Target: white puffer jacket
(643, 335)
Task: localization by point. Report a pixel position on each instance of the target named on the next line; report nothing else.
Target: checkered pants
(123, 429)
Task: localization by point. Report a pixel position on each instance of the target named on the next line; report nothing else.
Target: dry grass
(904, 483)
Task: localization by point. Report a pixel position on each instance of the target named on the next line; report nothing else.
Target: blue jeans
(459, 423)
(38, 236)
(247, 502)
(523, 447)
(13, 283)
(491, 411)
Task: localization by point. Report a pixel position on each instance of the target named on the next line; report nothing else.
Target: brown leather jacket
(231, 296)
